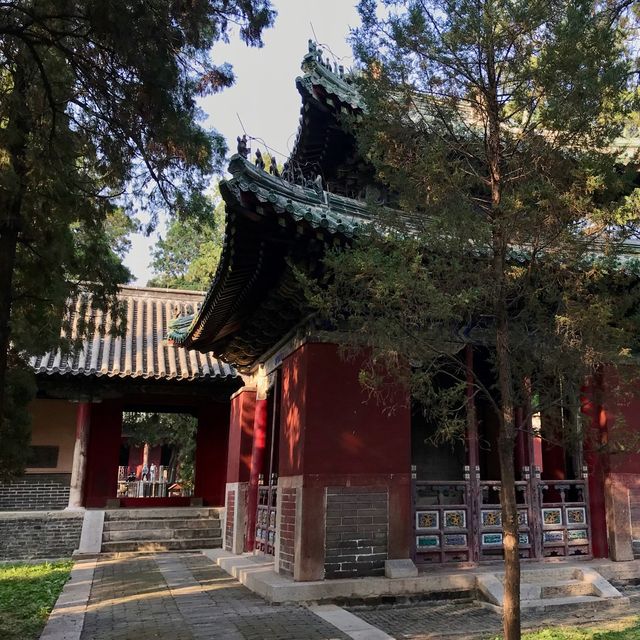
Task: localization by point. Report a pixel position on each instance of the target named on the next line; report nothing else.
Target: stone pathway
(468, 620)
(186, 597)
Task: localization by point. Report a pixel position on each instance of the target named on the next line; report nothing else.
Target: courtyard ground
(185, 596)
(27, 594)
(449, 620)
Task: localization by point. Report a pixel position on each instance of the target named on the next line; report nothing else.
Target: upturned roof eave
(253, 196)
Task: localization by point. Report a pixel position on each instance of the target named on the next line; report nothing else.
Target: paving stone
(186, 597)
(465, 620)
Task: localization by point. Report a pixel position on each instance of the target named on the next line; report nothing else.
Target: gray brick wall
(287, 530)
(229, 517)
(36, 492)
(53, 534)
(356, 531)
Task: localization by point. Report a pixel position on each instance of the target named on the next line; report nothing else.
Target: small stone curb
(67, 617)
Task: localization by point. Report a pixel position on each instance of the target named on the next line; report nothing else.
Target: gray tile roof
(143, 352)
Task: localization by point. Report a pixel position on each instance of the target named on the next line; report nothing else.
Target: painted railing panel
(442, 520)
(461, 521)
(566, 525)
(266, 519)
(490, 536)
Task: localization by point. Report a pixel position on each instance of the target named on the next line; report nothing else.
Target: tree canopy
(98, 117)
(175, 429)
(188, 255)
(495, 127)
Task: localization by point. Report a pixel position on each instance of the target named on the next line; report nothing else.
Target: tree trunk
(8, 244)
(506, 442)
(506, 445)
(506, 438)
(11, 218)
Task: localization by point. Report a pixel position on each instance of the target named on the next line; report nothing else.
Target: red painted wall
(333, 434)
(329, 425)
(243, 407)
(103, 452)
(293, 410)
(628, 462)
(597, 465)
(136, 457)
(211, 454)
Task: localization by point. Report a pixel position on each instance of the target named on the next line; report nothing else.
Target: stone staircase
(552, 588)
(161, 529)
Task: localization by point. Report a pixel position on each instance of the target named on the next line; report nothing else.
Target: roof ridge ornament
(259, 161)
(243, 147)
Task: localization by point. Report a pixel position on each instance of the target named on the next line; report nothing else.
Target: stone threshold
(257, 573)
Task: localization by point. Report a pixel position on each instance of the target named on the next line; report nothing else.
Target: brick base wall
(39, 534)
(287, 530)
(229, 516)
(36, 492)
(357, 523)
(634, 504)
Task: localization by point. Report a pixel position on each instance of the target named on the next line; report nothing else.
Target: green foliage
(188, 255)
(477, 124)
(98, 118)
(626, 629)
(493, 126)
(175, 429)
(27, 595)
(15, 431)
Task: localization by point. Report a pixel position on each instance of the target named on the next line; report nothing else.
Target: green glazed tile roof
(339, 88)
(320, 209)
(303, 208)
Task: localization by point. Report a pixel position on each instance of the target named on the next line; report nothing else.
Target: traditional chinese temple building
(308, 468)
(319, 476)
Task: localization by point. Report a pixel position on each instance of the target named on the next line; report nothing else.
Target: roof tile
(143, 352)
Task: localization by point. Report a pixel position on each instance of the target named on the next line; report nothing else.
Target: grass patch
(624, 629)
(627, 629)
(27, 595)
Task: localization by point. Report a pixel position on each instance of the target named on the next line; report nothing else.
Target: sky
(264, 96)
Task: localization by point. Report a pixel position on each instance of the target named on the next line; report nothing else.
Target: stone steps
(162, 545)
(133, 525)
(574, 603)
(158, 529)
(160, 513)
(566, 588)
(546, 575)
(177, 533)
(555, 589)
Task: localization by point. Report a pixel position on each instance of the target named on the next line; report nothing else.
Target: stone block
(400, 569)
(618, 520)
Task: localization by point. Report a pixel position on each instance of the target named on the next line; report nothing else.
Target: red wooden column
(597, 464)
(260, 425)
(243, 407)
(472, 454)
(211, 453)
(241, 420)
(79, 464)
(522, 458)
(103, 453)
